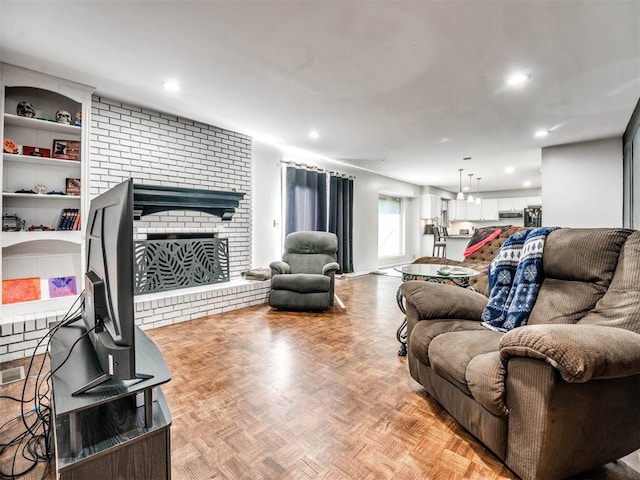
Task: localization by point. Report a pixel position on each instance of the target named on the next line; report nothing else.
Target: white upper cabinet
(489, 208)
(430, 206)
(474, 211)
(457, 210)
(534, 201)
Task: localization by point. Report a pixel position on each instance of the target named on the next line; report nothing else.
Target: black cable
(33, 443)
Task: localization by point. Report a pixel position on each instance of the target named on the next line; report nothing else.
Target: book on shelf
(72, 186)
(69, 219)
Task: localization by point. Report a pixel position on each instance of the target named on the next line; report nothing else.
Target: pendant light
(478, 193)
(470, 196)
(460, 194)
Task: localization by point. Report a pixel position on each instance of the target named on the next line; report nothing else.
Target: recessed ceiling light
(541, 133)
(526, 183)
(509, 170)
(314, 134)
(171, 85)
(444, 140)
(517, 79)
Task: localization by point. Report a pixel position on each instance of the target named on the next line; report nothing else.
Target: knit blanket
(515, 275)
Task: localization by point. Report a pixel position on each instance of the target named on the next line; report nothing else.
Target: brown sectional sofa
(560, 395)
(478, 260)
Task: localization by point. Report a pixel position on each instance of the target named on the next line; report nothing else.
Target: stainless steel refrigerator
(533, 217)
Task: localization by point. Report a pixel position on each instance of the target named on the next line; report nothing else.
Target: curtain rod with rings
(315, 168)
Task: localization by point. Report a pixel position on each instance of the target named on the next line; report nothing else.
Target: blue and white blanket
(514, 280)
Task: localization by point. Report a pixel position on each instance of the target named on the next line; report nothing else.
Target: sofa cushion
(620, 305)
(426, 330)
(451, 352)
(301, 282)
(584, 254)
(578, 266)
(486, 381)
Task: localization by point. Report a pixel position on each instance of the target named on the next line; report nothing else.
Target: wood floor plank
(262, 394)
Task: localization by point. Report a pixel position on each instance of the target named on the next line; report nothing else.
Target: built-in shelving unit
(41, 250)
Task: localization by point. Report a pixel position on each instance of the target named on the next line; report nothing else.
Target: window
(390, 226)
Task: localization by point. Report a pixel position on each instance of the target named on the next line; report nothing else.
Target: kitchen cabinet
(457, 210)
(474, 211)
(430, 206)
(489, 208)
(519, 203)
(512, 203)
(505, 204)
(537, 201)
(485, 211)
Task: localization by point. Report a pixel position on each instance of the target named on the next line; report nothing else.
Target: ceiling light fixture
(478, 201)
(526, 183)
(314, 134)
(541, 133)
(460, 194)
(171, 85)
(470, 198)
(517, 79)
(509, 170)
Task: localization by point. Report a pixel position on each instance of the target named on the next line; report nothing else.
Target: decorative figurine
(41, 228)
(12, 223)
(9, 146)
(40, 189)
(62, 116)
(25, 109)
(78, 122)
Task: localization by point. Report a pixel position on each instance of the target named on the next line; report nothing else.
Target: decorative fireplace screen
(170, 264)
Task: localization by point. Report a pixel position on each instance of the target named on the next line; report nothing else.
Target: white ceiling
(378, 79)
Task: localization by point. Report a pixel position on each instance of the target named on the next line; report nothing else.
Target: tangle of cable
(33, 442)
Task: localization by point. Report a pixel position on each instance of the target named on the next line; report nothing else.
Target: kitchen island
(456, 245)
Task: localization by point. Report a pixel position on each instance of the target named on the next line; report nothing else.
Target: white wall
(267, 205)
(582, 184)
(267, 240)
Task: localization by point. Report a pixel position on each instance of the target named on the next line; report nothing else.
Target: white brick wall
(155, 148)
(159, 149)
(156, 310)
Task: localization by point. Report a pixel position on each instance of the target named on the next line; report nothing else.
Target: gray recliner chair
(304, 279)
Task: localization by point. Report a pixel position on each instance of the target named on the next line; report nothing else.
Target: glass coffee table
(453, 274)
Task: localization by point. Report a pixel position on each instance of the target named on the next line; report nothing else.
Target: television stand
(105, 378)
(118, 429)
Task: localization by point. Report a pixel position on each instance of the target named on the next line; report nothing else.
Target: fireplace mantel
(148, 199)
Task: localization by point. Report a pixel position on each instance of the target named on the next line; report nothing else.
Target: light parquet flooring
(262, 394)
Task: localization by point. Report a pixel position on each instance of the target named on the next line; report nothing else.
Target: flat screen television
(109, 285)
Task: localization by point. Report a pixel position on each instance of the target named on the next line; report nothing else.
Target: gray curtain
(341, 219)
(306, 198)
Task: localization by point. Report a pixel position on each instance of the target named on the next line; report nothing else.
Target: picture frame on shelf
(21, 290)
(73, 186)
(62, 286)
(66, 150)
(36, 152)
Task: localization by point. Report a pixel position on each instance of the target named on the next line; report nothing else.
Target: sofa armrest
(331, 267)
(579, 352)
(279, 267)
(438, 300)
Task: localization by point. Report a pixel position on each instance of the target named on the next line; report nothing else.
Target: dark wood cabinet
(117, 430)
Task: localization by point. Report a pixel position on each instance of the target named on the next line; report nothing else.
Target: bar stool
(439, 243)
